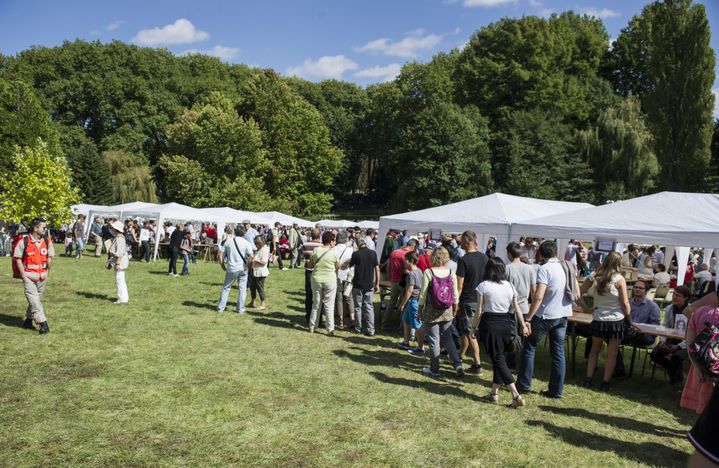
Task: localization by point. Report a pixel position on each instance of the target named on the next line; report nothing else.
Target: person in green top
(324, 264)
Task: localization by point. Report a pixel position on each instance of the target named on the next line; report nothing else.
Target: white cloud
(546, 12)
(114, 25)
(486, 3)
(409, 46)
(716, 102)
(221, 52)
(602, 13)
(181, 31)
(386, 73)
(535, 3)
(327, 67)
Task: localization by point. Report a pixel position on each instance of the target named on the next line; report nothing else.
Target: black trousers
(673, 363)
(308, 295)
(174, 252)
(146, 250)
(275, 251)
(258, 287)
(495, 331)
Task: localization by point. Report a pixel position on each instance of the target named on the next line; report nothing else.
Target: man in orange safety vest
(33, 256)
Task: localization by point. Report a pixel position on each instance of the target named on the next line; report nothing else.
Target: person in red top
(211, 232)
(424, 259)
(390, 319)
(33, 256)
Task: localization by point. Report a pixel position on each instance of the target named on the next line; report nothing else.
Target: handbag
(516, 343)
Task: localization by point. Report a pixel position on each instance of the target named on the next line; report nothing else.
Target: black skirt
(608, 330)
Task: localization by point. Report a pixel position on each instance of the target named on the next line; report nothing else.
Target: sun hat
(118, 226)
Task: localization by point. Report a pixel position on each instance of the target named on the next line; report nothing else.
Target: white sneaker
(285, 269)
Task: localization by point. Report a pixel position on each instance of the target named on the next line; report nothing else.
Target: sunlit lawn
(165, 380)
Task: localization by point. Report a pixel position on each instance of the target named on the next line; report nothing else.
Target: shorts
(465, 317)
(410, 314)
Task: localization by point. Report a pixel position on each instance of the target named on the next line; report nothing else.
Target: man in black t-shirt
(364, 285)
(470, 272)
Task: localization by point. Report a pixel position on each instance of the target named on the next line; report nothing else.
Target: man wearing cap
(33, 255)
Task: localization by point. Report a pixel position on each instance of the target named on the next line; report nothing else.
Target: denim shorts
(409, 316)
(465, 317)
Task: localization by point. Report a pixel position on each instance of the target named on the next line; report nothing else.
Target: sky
(360, 41)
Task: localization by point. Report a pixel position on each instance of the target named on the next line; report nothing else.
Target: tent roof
(231, 215)
(490, 214)
(85, 208)
(669, 218)
(369, 224)
(285, 220)
(124, 207)
(176, 211)
(336, 223)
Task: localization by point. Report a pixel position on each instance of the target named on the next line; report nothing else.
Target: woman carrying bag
(260, 272)
(496, 302)
(119, 260)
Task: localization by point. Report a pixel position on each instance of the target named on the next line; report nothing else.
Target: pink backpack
(441, 292)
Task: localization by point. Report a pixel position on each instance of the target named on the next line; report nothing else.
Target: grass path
(165, 380)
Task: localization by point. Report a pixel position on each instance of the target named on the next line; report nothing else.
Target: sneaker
(546, 394)
(241, 312)
(587, 382)
(44, 328)
(404, 346)
(28, 324)
(475, 369)
(428, 372)
(416, 351)
(354, 330)
(285, 269)
(460, 371)
(604, 386)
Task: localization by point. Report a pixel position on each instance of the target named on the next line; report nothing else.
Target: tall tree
(130, 178)
(680, 104)
(620, 151)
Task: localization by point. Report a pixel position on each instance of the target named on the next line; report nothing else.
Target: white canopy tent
(232, 215)
(490, 215)
(335, 223)
(369, 224)
(674, 219)
(176, 212)
(115, 210)
(285, 220)
(84, 208)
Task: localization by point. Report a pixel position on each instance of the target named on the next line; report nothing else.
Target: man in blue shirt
(642, 311)
(235, 256)
(548, 314)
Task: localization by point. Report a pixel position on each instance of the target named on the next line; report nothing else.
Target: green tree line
(542, 107)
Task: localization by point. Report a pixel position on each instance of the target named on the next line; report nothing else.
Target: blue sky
(361, 41)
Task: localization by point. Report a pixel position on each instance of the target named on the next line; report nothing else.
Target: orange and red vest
(35, 258)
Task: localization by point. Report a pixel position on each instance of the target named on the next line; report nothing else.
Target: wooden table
(579, 317)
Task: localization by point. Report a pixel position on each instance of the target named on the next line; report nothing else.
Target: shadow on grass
(299, 294)
(278, 319)
(200, 305)
(645, 452)
(89, 295)
(160, 273)
(371, 341)
(11, 320)
(216, 284)
(618, 421)
(297, 308)
(430, 385)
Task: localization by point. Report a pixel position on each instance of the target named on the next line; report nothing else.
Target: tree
(130, 178)
(297, 140)
(535, 156)
(443, 158)
(620, 151)
(39, 186)
(22, 122)
(680, 104)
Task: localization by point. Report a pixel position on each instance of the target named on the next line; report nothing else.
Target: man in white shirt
(235, 256)
(344, 306)
(369, 240)
(547, 316)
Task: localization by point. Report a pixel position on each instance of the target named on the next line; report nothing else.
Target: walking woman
(496, 302)
(324, 263)
(119, 260)
(437, 312)
(260, 272)
(610, 318)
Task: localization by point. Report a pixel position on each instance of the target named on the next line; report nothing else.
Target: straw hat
(118, 226)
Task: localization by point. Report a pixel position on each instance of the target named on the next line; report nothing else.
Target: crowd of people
(445, 295)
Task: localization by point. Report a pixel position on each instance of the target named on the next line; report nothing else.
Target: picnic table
(579, 317)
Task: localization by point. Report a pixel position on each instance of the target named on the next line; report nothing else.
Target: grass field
(165, 380)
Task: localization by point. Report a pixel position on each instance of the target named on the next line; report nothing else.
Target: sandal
(492, 398)
(517, 401)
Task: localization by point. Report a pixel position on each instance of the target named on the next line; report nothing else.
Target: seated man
(702, 277)
(642, 311)
(671, 353)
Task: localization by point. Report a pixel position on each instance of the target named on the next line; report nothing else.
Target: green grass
(166, 381)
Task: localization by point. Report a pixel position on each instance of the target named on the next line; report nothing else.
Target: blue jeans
(556, 329)
(230, 278)
(185, 263)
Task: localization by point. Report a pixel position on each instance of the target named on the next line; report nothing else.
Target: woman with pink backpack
(438, 303)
